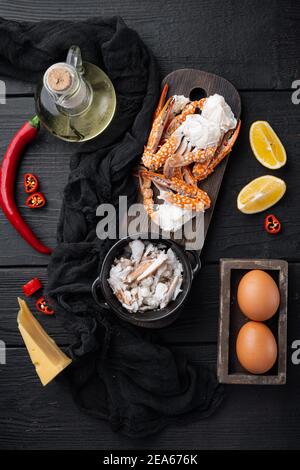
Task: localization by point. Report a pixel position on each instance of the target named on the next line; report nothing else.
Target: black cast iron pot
(105, 298)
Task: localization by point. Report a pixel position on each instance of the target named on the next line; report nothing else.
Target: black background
(254, 44)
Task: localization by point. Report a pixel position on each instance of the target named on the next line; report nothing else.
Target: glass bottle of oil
(76, 100)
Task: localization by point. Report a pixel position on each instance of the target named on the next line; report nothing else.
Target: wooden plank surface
(233, 233)
(236, 235)
(48, 158)
(250, 417)
(255, 45)
(198, 322)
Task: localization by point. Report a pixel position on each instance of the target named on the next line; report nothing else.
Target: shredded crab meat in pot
(146, 277)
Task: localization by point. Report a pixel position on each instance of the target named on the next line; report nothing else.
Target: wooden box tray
(231, 320)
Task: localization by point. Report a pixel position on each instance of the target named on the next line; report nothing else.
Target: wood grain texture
(236, 235)
(198, 323)
(11, 281)
(33, 417)
(231, 234)
(253, 44)
(231, 319)
(202, 308)
(48, 158)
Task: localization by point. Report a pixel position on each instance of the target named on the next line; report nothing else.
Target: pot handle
(195, 262)
(95, 287)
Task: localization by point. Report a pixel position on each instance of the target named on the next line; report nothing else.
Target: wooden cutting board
(196, 84)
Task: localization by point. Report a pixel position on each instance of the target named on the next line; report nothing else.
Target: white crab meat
(125, 262)
(137, 249)
(160, 292)
(151, 302)
(177, 289)
(126, 271)
(115, 279)
(153, 266)
(147, 282)
(139, 270)
(215, 109)
(171, 256)
(180, 102)
(148, 279)
(134, 307)
(149, 249)
(142, 293)
(170, 217)
(169, 295)
(207, 129)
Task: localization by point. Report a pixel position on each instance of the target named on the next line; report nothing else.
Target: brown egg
(256, 347)
(258, 295)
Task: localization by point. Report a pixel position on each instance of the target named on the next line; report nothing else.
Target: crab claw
(156, 131)
(203, 170)
(161, 101)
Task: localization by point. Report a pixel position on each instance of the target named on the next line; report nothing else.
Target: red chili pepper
(8, 169)
(35, 201)
(272, 224)
(31, 183)
(32, 286)
(42, 306)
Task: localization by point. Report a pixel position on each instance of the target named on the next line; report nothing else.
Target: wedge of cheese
(44, 353)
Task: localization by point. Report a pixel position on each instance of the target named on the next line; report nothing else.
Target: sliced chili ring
(272, 224)
(42, 306)
(32, 286)
(35, 201)
(31, 183)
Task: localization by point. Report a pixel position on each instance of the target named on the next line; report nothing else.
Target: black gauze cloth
(119, 372)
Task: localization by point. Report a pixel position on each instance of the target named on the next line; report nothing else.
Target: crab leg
(178, 173)
(154, 161)
(180, 159)
(202, 170)
(147, 193)
(188, 175)
(179, 192)
(161, 102)
(190, 108)
(198, 201)
(184, 173)
(150, 157)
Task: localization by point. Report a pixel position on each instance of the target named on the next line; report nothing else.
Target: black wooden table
(256, 46)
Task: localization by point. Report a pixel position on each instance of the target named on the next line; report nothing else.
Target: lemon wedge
(266, 145)
(260, 194)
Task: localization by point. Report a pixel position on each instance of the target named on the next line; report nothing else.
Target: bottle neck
(71, 93)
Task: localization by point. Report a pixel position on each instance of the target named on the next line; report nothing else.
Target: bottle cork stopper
(59, 79)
